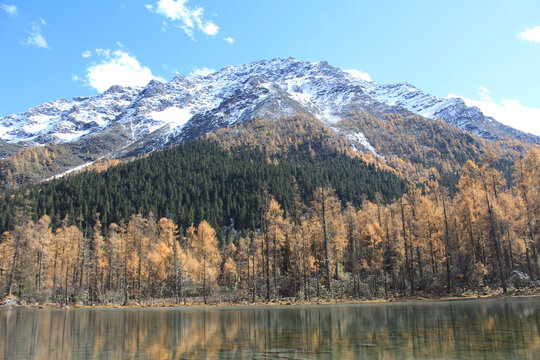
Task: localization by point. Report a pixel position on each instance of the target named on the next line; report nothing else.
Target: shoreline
(168, 305)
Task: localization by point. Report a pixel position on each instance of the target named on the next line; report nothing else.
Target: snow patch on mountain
(173, 116)
(360, 138)
(77, 168)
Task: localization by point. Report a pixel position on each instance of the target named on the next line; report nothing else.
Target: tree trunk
(274, 272)
(125, 282)
(494, 238)
(54, 267)
(253, 277)
(175, 254)
(326, 246)
(267, 268)
(14, 263)
(40, 271)
(446, 248)
(204, 279)
(405, 244)
(139, 270)
(304, 265)
(66, 284)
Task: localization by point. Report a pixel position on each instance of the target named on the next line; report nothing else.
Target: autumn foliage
(426, 243)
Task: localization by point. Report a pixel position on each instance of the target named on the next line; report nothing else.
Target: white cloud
(42, 21)
(76, 78)
(230, 40)
(189, 19)
(10, 9)
(209, 28)
(197, 71)
(35, 38)
(171, 70)
(117, 68)
(359, 74)
(530, 34)
(86, 54)
(507, 111)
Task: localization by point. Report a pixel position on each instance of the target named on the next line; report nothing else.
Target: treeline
(423, 244)
(200, 180)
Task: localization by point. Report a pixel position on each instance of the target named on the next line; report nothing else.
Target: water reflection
(476, 329)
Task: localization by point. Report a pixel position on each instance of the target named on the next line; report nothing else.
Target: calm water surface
(468, 329)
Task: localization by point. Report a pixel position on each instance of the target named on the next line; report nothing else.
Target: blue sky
(487, 52)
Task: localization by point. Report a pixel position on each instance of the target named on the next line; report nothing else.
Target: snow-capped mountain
(125, 120)
(452, 110)
(65, 121)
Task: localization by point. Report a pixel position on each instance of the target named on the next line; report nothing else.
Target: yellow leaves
(230, 273)
(470, 171)
(203, 254)
(155, 259)
(193, 267)
(191, 232)
(204, 243)
(229, 251)
(277, 136)
(527, 179)
(276, 225)
(6, 251)
(357, 240)
(100, 165)
(168, 232)
(161, 257)
(329, 227)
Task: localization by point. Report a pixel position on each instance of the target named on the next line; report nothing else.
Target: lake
(504, 328)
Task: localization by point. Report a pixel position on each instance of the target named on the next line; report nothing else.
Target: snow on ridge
(317, 86)
(234, 93)
(408, 97)
(59, 118)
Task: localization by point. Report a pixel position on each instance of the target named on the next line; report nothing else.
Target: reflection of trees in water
(493, 329)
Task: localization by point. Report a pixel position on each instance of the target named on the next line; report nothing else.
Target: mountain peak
(193, 106)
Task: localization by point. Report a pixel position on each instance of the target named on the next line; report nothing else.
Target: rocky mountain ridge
(127, 121)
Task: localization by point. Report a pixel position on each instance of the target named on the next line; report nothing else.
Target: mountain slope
(201, 180)
(124, 122)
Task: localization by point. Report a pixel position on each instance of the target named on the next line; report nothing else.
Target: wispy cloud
(187, 18)
(530, 34)
(35, 37)
(171, 70)
(86, 54)
(230, 40)
(201, 71)
(11, 10)
(359, 74)
(116, 68)
(507, 111)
